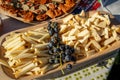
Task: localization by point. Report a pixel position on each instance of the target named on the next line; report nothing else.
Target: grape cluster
(59, 52)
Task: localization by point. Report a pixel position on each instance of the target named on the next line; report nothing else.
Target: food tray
(37, 22)
(7, 75)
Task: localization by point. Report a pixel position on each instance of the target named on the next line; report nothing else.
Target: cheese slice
(87, 23)
(70, 38)
(83, 33)
(102, 24)
(109, 41)
(107, 19)
(106, 33)
(95, 35)
(96, 21)
(63, 28)
(84, 38)
(71, 43)
(66, 19)
(115, 35)
(96, 44)
(90, 52)
(73, 32)
(82, 13)
(4, 63)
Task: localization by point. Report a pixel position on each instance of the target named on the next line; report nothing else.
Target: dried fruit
(25, 7)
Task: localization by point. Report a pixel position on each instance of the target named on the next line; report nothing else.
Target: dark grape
(49, 24)
(56, 35)
(51, 31)
(49, 27)
(62, 47)
(67, 58)
(51, 44)
(50, 52)
(72, 50)
(67, 52)
(57, 55)
(67, 47)
(53, 39)
(56, 61)
(68, 66)
(63, 54)
(55, 50)
(56, 29)
(55, 24)
(53, 57)
(51, 61)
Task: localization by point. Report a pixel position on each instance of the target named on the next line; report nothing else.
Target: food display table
(95, 71)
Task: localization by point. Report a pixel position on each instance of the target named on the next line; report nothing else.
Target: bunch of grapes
(60, 53)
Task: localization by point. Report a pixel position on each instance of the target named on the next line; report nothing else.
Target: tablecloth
(93, 72)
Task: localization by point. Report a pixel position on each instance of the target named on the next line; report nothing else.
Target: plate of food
(57, 48)
(33, 11)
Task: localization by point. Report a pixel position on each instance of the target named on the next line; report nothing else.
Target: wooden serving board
(6, 74)
(0, 25)
(37, 22)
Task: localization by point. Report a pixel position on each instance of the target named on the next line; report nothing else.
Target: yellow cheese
(83, 33)
(108, 41)
(66, 19)
(95, 35)
(102, 24)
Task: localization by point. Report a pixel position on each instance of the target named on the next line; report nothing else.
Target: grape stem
(61, 65)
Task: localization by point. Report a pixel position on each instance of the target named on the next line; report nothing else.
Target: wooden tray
(37, 22)
(0, 25)
(6, 74)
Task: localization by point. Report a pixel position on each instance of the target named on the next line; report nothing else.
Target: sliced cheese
(77, 26)
(87, 46)
(73, 32)
(106, 33)
(109, 41)
(70, 38)
(107, 19)
(87, 23)
(96, 44)
(84, 38)
(91, 19)
(4, 63)
(96, 21)
(90, 52)
(71, 43)
(102, 24)
(24, 70)
(82, 13)
(66, 19)
(83, 33)
(95, 35)
(97, 28)
(115, 35)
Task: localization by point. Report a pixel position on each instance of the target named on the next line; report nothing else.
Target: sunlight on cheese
(89, 35)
